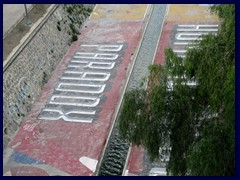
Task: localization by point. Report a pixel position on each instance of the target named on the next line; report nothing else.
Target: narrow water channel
(115, 156)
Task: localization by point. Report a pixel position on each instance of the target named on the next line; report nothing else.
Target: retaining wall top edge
(27, 38)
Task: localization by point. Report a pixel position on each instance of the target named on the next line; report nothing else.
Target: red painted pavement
(135, 160)
(135, 164)
(28, 171)
(165, 39)
(60, 144)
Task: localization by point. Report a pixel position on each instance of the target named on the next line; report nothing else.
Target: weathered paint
(80, 90)
(120, 12)
(89, 163)
(180, 18)
(59, 147)
(135, 161)
(190, 12)
(168, 37)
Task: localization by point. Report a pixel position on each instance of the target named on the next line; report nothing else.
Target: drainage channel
(117, 149)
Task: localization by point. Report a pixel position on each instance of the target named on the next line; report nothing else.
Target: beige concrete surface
(12, 13)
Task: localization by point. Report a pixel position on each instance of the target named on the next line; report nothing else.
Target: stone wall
(33, 66)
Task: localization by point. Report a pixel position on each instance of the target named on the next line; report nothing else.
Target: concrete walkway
(183, 24)
(67, 128)
(12, 14)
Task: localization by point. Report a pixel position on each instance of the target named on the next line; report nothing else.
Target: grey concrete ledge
(28, 37)
(18, 21)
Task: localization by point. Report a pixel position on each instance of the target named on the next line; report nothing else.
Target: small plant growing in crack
(77, 13)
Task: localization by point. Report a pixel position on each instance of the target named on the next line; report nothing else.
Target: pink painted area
(28, 171)
(165, 39)
(135, 162)
(163, 43)
(60, 144)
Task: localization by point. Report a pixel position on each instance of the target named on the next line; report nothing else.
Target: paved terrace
(183, 24)
(67, 129)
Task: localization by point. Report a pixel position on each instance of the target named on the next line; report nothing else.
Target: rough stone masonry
(31, 69)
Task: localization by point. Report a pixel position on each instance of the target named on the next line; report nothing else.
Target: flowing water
(116, 152)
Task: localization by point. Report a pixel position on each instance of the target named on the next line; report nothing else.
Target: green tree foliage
(197, 121)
